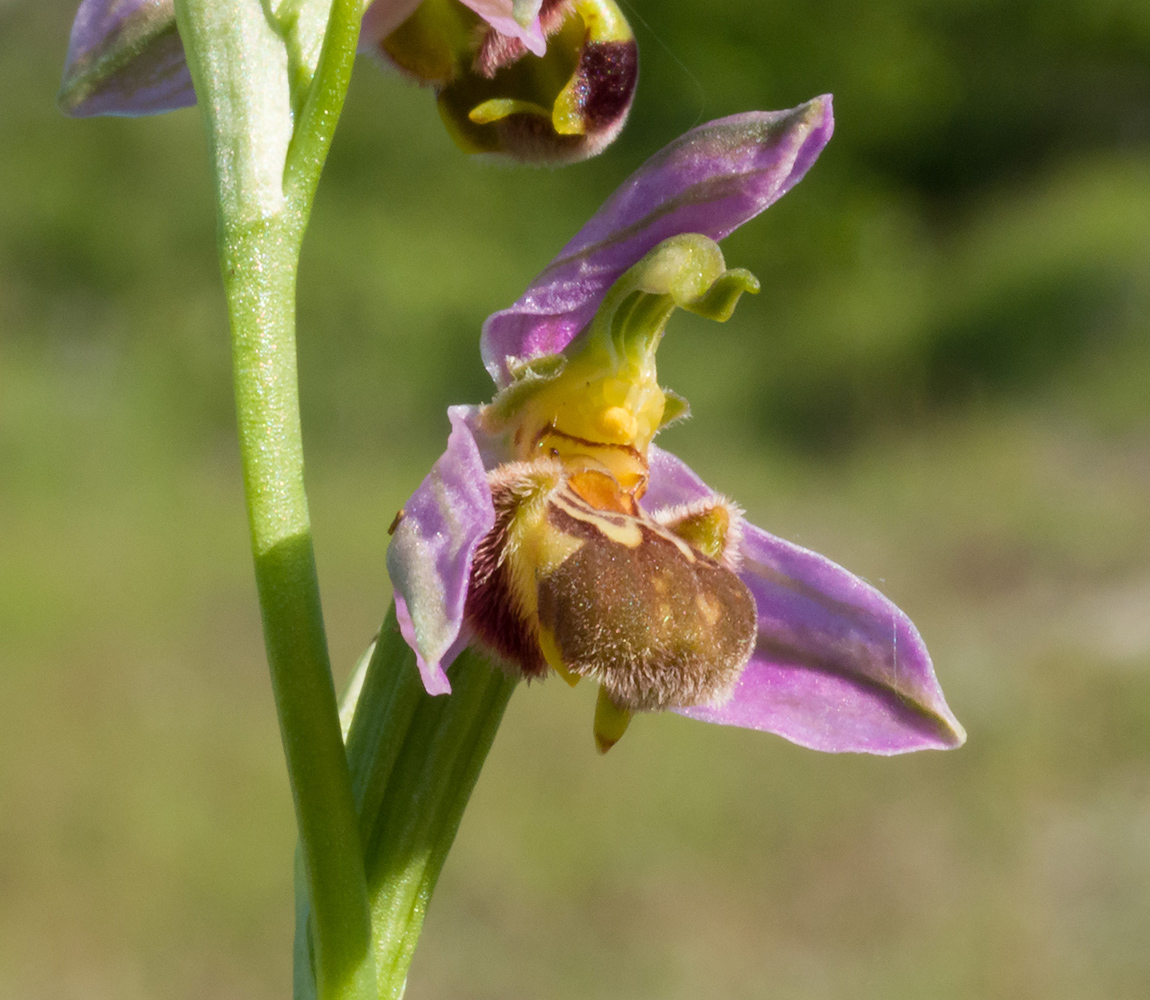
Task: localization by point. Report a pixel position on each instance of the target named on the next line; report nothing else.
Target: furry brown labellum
(576, 576)
(495, 97)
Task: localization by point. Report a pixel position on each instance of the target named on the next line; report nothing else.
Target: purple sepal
(837, 667)
(709, 181)
(433, 675)
(125, 57)
(827, 711)
(429, 559)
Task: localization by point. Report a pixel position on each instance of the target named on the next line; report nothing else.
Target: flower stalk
(270, 121)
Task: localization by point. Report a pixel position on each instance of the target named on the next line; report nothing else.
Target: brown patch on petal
(493, 609)
(654, 621)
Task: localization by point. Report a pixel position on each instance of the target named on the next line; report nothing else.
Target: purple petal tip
(831, 711)
(710, 181)
(125, 57)
(432, 674)
(837, 667)
(429, 558)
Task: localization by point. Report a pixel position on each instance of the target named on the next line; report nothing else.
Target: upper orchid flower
(533, 80)
(554, 532)
(566, 105)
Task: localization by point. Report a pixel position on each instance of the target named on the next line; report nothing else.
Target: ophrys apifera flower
(554, 531)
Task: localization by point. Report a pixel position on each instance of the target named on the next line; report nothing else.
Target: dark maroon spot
(607, 74)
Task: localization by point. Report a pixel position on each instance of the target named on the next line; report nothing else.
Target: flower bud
(498, 96)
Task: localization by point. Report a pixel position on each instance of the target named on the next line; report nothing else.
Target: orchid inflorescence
(553, 535)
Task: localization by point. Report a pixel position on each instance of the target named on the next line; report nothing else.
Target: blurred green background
(943, 386)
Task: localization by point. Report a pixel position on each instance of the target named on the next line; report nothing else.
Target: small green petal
(675, 408)
(499, 108)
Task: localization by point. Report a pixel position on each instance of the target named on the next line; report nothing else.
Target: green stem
(259, 277)
(239, 63)
(430, 784)
(319, 116)
(414, 761)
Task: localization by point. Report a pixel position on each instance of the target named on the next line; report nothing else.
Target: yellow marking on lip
(709, 608)
(499, 108)
(535, 548)
(554, 657)
(628, 533)
(605, 21)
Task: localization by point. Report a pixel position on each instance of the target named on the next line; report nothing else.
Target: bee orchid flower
(555, 533)
(530, 80)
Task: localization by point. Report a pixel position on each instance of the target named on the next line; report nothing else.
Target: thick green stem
(432, 779)
(259, 276)
(240, 60)
(414, 761)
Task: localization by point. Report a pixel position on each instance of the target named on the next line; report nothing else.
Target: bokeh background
(943, 385)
